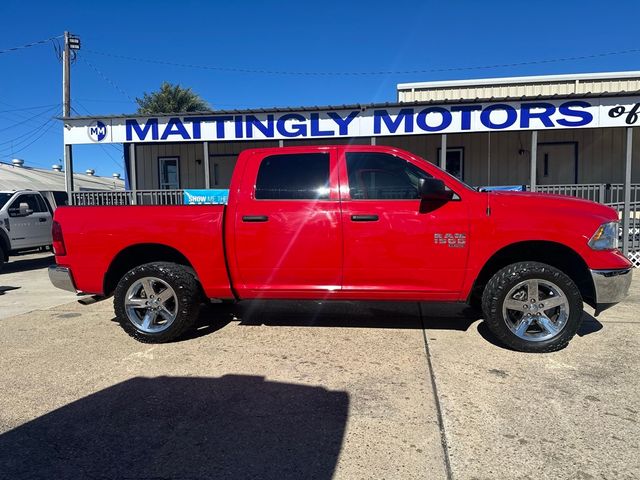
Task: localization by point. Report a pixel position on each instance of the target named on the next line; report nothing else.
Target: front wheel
(532, 307)
(157, 302)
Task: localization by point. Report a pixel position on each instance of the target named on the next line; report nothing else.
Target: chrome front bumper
(611, 286)
(61, 278)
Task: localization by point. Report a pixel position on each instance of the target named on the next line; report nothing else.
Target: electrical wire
(33, 141)
(28, 108)
(29, 45)
(14, 142)
(28, 119)
(106, 79)
(389, 72)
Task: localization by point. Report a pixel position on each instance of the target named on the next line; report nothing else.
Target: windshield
(4, 198)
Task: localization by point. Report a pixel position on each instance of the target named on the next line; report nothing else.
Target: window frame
(161, 162)
(453, 149)
(332, 178)
(347, 187)
(16, 204)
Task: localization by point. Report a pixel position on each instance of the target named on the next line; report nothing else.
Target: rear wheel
(157, 302)
(3, 258)
(532, 307)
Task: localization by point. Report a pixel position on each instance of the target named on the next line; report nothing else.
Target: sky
(314, 53)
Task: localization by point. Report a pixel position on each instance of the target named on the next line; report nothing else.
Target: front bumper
(610, 287)
(61, 278)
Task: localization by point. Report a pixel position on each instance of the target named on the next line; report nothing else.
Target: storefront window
(169, 173)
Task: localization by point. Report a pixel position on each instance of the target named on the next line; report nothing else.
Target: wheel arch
(5, 244)
(139, 254)
(555, 254)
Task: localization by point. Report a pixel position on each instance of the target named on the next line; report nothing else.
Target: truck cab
(25, 222)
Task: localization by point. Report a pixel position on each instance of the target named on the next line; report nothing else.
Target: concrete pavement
(313, 390)
(25, 285)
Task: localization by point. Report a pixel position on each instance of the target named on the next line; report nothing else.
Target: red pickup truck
(349, 223)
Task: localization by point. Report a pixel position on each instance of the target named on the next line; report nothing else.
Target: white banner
(365, 122)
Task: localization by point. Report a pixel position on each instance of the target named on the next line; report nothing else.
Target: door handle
(42, 219)
(364, 218)
(255, 218)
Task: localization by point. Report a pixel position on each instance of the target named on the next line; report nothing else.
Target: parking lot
(309, 390)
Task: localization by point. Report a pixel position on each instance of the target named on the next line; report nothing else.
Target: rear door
(288, 238)
(395, 245)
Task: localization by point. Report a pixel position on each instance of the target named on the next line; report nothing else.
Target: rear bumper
(610, 286)
(61, 278)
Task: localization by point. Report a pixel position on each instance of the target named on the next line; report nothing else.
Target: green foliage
(171, 99)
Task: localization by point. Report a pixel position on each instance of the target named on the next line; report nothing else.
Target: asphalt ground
(310, 390)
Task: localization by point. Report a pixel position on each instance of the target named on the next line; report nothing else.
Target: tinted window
(33, 202)
(294, 176)
(60, 198)
(382, 176)
(4, 198)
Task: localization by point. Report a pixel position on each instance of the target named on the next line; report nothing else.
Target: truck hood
(549, 205)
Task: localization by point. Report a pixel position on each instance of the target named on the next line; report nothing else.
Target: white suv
(25, 222)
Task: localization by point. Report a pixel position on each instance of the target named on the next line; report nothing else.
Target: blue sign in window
(206, 197)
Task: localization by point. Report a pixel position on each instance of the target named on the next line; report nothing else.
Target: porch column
(133, 177)
(68, 173)
(534, 160)
(443, 152)
(207, 167)
(626, 212)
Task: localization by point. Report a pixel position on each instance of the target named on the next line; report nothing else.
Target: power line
(390, 72)
(106, 79)
(28, 108)
(30, 132)
(33, 141)
(28, 119)
(29, 45)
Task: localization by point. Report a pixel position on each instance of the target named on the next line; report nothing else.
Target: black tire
(185, 303)
(3, 258)
(502, 283)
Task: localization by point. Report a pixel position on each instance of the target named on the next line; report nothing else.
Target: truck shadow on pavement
(235, 426)
(403, 315)
(16, 264)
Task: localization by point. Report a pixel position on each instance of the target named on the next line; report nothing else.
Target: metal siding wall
(600, 155)
(516, 90)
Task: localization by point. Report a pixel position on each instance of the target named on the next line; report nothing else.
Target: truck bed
(95, 237)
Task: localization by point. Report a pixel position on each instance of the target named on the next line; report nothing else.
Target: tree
(171, 99)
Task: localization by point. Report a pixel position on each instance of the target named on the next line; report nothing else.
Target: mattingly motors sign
(363, 122)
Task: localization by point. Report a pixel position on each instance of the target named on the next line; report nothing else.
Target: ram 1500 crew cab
(349, 223)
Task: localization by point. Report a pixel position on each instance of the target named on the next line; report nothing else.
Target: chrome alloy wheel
(536, 310)
(151, 304)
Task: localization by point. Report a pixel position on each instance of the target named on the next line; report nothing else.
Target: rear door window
(294, 176)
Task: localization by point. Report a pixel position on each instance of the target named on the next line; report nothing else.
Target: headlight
(606, 237)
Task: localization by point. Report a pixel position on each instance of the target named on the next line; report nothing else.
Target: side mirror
(22, 210)
(433, 190)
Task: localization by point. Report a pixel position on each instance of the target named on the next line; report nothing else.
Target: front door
(287, 237)
(556, 163)
(394, 243)
(32, 230)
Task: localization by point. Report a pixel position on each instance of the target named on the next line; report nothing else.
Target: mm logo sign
(97, 131)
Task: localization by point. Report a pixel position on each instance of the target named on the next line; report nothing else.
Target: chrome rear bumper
(610, 286)
(61, 278)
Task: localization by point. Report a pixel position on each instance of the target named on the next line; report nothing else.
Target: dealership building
(557, 133)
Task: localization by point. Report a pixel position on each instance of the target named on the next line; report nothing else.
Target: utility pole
(71, 42)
